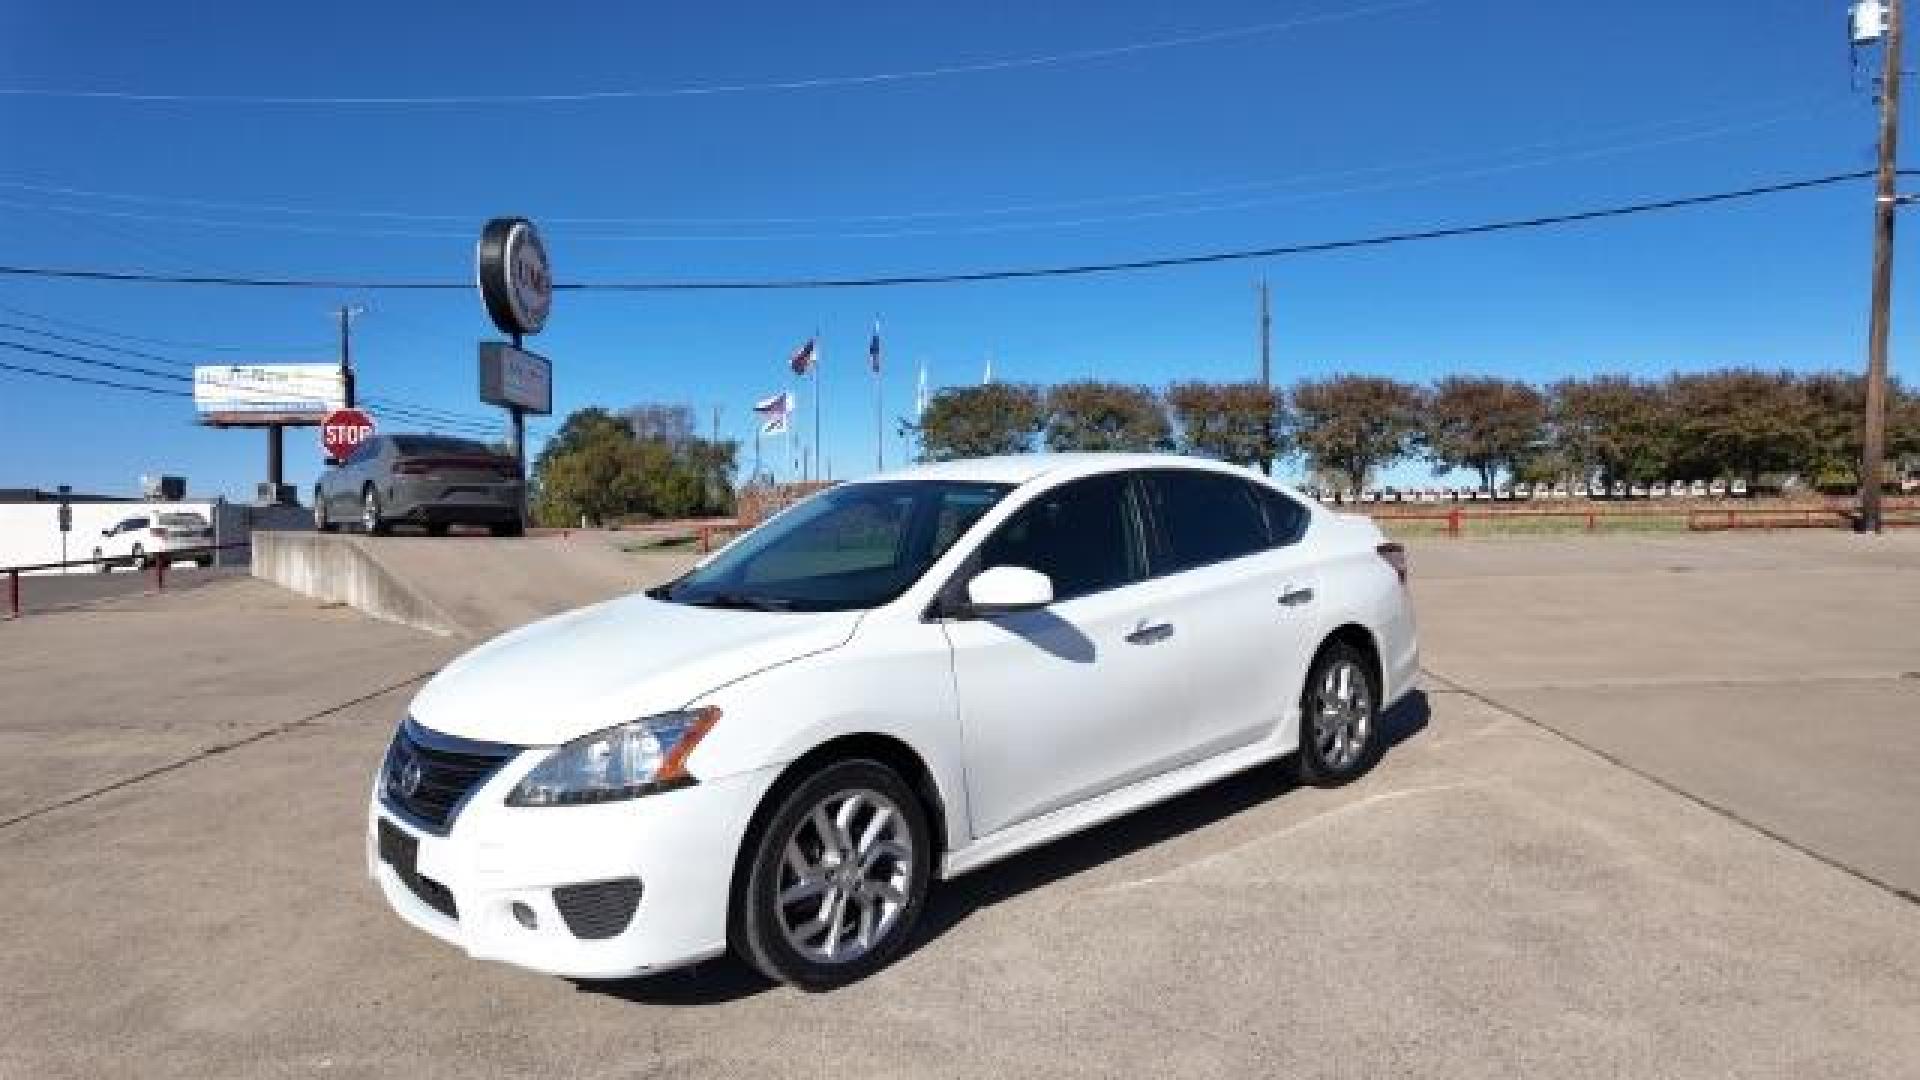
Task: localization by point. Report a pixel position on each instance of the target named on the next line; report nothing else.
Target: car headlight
(624, 762)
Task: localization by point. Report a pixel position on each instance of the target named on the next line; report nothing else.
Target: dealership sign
(515, 280)
(343, 431)
(515, 378)
(245, 395)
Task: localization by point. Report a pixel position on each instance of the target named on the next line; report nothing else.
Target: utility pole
(1266, 380)
(1886, 201)
(346, 315)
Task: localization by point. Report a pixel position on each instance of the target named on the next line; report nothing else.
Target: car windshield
(851, 547)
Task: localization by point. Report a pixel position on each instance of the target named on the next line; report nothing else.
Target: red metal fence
(1832, 515)
(158, 567)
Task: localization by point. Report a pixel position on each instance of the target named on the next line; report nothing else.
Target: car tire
(100, 562)
(511, 528)
(868, 869)
(138, 560)
(320, 522)
(371, 519)
(438, 528)
(1339, 717)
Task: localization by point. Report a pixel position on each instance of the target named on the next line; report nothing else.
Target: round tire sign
(343, 431)
(515, 280)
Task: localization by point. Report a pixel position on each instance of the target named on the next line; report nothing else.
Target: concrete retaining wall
(342, 570)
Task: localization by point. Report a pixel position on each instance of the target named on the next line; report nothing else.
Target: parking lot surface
(1645, 821)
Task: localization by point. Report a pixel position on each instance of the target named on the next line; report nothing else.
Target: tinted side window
(1080, 534)
(1202, 517)
(1286, 519)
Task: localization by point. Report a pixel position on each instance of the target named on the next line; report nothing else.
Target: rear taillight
(1396, 556)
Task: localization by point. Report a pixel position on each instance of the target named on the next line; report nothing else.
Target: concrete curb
(344, 570)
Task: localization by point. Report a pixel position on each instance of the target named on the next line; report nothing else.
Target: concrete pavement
(1493, 900)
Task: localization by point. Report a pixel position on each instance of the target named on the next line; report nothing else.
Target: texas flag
(775, 413)
(803, 360)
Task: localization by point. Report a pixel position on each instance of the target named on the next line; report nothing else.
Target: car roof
(1020, 468)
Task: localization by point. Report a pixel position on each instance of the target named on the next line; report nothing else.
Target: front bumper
(679, 844)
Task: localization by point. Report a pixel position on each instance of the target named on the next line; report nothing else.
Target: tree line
(1735, 423)
(646, 461)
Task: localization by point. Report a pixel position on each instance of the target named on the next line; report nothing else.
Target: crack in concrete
(211, 751)
(1725, 812)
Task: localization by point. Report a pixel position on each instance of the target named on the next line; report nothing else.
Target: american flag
(775, 413)
(803, 359)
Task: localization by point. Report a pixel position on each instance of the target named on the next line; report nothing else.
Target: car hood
(581, 671)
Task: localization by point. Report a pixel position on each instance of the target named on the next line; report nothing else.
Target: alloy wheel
(1342, 715)
(845, 876)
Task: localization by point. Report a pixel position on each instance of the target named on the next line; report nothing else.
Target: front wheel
(100, 562)
(837, 878)
(1338, 712)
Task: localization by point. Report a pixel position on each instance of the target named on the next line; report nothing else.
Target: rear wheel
(100, 562)
(510, 528)
(139, 559)
(370, 519)
(838, 876)
(320, 522)
(1338, 712)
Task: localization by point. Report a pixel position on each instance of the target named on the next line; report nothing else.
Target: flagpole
(818, 352)
(879, 427)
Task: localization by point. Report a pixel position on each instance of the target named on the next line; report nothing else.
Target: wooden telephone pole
(1886, 201)
(1266, 379)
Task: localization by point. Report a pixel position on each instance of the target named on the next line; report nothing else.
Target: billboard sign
(515, 378)
(257, 395)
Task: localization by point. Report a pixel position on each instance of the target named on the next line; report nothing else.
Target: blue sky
(1369, 117)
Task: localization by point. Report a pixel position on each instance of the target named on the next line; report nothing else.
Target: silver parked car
(428, 480)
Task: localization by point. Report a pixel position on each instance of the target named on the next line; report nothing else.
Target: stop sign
(342, 431)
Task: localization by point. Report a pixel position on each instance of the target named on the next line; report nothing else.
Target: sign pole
(519, 414)
(275, 446)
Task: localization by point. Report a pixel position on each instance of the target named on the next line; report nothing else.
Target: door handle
(1146, 634)
(1295, 597)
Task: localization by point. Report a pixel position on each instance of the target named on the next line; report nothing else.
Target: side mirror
(106, 532)
(1002, 589)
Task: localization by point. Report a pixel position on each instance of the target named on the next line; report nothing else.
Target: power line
(160, 390)
(1723, 121)
(405, 410)
(162, 342)
(824, 82)
(974, 276)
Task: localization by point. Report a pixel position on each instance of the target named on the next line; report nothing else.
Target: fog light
(524, 915)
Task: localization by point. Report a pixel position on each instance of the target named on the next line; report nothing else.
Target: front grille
(428, 776)
(597, 910)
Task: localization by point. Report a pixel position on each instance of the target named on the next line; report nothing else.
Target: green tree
(1613, 428)
(598, 467)
(1739, 423)
(1105, 417)
(1354, 425)
(978, 421)
(1838, 405)
(1484, 425)
(1240, 422)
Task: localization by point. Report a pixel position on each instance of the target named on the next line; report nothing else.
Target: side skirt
(1139, 795)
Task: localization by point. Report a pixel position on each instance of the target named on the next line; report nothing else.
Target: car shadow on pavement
(727, 978)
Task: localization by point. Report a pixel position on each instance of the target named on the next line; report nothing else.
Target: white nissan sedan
(899, 679)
